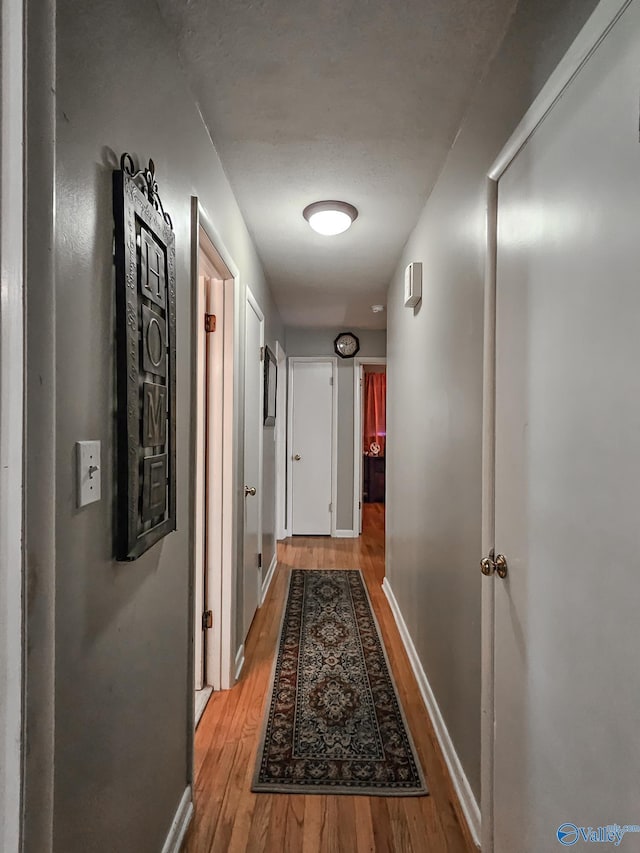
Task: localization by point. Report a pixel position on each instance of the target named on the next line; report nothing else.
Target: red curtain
(375, 413)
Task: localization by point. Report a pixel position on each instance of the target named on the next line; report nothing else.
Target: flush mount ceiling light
(330, 217)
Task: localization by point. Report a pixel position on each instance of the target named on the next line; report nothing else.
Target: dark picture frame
(270, 387)
(145, 265)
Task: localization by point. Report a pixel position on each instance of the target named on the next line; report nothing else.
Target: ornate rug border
(258, 787)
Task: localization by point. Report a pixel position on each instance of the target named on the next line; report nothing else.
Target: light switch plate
(88, 472)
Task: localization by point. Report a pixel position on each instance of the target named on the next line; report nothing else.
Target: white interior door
(312, 416)
(567, 488)
(253, 430)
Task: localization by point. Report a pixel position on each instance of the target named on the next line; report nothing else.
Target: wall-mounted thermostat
(412, 284)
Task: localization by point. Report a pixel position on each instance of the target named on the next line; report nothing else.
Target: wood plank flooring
(228, 817)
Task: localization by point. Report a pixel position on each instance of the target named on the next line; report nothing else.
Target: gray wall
(435, 381)
(319, 342)
(120, 637)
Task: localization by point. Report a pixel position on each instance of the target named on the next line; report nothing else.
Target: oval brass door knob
(501, 566)
(297, 457)
(487, 566)
(249, 490)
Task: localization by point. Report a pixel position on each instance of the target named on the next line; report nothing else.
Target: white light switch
(88, 472)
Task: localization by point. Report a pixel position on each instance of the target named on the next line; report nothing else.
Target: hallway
(228, 817)
(221, 222)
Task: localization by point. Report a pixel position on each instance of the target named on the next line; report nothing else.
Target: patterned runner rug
(334, 722)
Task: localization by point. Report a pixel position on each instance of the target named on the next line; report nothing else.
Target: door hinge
(261, 353)
(331, 380)
(359, 504)
(330, 507)
(207, 619)
(259, 561)
(209, 322)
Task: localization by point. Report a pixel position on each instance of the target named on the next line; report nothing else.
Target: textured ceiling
(357, 100)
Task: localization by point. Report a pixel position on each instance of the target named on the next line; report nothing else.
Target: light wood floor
(228, 817)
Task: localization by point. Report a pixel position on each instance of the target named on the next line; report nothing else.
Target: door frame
(252, 302)
(282, 522)
(333, 361)
(603, 18)
(222, 434)
(359, 362)
(12, 385)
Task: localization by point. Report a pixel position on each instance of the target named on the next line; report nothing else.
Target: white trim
(346, 534)
(239, 662)
(357, 438)
(202, 699)
(603, 18)
(266, 583)
(488, 526)
(460, 782)
(334, 437)
(252, 302)
(334, 446)
(180, 823)
(281, 443)
(11, 421)
(224, 553)
(597, 27)
(226, 591)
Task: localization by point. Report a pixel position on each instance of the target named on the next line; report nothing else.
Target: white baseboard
(181, 821)
(345, 534)
(239, 661)
(202, 697)
(268, 578)
(461, 785)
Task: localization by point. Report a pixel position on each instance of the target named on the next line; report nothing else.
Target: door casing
(282, 525)
(357, 437)
(12, 384)
(221, 517)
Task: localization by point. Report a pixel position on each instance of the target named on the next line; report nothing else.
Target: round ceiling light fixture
(330, 217)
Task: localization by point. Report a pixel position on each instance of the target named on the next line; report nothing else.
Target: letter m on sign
(154, 415)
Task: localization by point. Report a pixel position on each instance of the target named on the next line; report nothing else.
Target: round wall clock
(346, 345)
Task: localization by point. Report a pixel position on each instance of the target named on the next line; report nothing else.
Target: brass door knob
(249, 490)
(487, 566)
(501, 566)
(297, 457)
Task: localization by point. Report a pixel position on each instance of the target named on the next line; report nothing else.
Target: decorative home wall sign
(146, 346)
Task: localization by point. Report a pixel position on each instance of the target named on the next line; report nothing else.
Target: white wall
(319, 342)
(108, 652)
(434, 356)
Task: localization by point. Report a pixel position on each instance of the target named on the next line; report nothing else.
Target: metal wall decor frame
(145, 262)
(270, 387)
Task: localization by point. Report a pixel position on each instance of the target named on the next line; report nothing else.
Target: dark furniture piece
(373, 480)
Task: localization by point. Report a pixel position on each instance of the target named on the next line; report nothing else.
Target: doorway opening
(370, 433)
(252, 568)
(213, 546)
